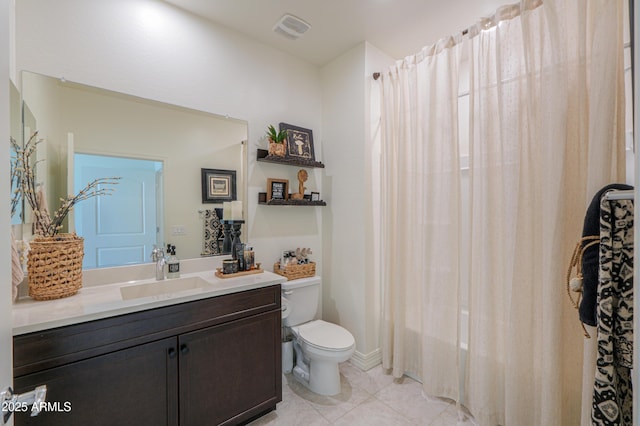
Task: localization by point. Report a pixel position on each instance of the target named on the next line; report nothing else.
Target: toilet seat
(326, 336)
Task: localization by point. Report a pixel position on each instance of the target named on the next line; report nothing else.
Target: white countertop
(103, 301)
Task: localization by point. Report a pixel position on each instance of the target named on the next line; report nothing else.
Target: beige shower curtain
(547, 131)
(419, 217)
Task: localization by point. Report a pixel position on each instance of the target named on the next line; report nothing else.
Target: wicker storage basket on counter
(54, 266)
(293, 272)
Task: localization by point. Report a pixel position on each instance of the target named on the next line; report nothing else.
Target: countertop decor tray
(219, 273)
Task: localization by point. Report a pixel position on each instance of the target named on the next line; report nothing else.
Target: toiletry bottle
(173, 264)
(248, 258)
(240, 256)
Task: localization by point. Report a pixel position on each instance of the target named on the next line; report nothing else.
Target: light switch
(178, 230)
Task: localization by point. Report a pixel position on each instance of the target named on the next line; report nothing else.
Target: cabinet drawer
(51, 348)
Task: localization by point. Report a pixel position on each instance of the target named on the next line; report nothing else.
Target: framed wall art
(299, 142)
(277, 189)
(218, 185)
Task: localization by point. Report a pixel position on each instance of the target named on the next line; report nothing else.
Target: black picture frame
(218, 185)
(277, 189)
(299, 142)
(315, 196)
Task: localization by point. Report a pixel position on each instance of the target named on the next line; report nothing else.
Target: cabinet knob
(184, 349)
(172, 352)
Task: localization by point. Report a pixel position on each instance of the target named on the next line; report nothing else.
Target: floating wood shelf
(263, 155)
(262, 200)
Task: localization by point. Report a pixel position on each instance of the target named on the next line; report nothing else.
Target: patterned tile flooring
(368, 398)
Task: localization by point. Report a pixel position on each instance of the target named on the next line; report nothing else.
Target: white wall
(150, 49)
(343, 118)
(351, 294)
(375, 61)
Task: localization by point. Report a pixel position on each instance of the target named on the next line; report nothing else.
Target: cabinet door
(231, 372)
(135, 386)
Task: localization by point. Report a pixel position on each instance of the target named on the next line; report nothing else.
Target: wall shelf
(262, 200)
(263, 155)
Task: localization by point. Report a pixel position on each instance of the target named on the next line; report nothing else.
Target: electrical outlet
(178, 230)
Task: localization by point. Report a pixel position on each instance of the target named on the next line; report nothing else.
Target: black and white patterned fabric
(591, 257)
(612, 395)
(212, 232)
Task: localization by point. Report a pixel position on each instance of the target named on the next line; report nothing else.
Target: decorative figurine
(302, 178)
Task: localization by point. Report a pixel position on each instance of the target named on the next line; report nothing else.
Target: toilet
(319, 346)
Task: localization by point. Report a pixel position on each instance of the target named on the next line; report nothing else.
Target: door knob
(184, 349)
(172, 352)
(13, 402)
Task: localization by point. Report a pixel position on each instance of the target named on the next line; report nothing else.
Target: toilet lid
(326, 335)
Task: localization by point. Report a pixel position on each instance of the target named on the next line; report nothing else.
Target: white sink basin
(157, 288)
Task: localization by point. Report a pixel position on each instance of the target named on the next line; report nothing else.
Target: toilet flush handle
(288, 292)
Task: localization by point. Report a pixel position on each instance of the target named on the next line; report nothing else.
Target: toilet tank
(303, 295)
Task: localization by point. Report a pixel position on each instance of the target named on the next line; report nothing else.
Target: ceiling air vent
(291, 27)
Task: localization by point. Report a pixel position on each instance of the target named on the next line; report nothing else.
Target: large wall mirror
(159, 151)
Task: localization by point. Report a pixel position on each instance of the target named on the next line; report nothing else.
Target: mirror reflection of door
(121, 228)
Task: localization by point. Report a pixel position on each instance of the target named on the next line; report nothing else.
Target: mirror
(86, 130)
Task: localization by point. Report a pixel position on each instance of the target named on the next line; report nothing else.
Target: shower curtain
(420, 226)
(546, 130)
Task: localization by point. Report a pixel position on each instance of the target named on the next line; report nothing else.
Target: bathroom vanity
(212, 357)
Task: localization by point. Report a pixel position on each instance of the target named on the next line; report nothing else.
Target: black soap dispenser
(173, 263)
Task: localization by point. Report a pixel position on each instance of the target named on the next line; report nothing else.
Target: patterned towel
(612, 395)
(212, 242)
(590, 258)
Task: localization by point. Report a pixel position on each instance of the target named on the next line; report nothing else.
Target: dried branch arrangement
(23, 179)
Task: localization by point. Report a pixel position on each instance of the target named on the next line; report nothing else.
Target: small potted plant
(277, 145)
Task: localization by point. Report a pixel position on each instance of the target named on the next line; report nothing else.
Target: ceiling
(397, 27)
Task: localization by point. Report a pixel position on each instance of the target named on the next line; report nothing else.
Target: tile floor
(368, 398)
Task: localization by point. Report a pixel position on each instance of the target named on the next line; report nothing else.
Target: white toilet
(319, 345)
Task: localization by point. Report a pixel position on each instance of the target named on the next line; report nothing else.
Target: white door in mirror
(30, 401)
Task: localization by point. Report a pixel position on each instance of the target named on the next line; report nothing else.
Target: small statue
(302, 178)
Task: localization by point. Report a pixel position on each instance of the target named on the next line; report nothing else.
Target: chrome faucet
(157, 255)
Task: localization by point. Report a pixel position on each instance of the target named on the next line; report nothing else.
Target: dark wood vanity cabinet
(207, 362)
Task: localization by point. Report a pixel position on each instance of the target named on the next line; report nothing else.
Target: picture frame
(315, 196)
(218, 185)
(299, 142)
(277, 189)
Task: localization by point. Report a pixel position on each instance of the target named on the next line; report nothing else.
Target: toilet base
(319, 376)
(323, 377)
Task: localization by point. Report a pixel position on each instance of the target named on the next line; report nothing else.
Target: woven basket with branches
(54, 261)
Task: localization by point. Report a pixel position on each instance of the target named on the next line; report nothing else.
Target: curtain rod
(510, 11)
(619, 195)
(376, 75)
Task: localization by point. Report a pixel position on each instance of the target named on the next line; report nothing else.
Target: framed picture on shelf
(277, 189)
(299, 142)
(218, 185)
(315, 196)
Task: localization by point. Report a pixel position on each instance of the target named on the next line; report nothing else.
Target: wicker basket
(293, 272)
(54, 266)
